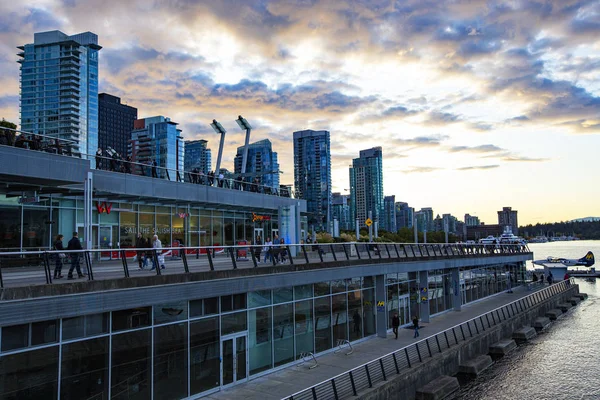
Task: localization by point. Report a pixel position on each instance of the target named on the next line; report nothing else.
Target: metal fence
(36, 267)
(365, 376)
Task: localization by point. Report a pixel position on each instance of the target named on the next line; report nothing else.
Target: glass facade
(197, 155)
(261, 163)
(366, 186)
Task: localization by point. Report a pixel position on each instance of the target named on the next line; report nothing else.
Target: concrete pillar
(381, 298)
(357, 230)
(456, 298)
(424, 305)
(371, 227)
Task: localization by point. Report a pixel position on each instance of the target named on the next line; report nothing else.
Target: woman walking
(58, 245)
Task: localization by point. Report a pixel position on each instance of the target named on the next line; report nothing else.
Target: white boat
(489, 240)
(508, 237)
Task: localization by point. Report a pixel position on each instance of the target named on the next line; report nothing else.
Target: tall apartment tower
(404, 215)
(261, 163)
(59, 88)
(424, 219)
(158, 139)
(389, 214)
(366, 186)
(508, 217)
(472, 220)
(312, 175)
(340, 210)
(197, 155)
(115, 123)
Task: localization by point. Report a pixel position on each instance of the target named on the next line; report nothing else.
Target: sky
(477, 104)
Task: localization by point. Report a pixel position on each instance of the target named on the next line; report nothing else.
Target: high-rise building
(115, 123)
(59, 88)
(471, 220)
(261, 163)
(366, 186)
(389, 214)
(404, 215)
(340, 209)
(312, 175)
(449, 223)
(508, 217)
(158, 139)
(197, 155)
(424, 219)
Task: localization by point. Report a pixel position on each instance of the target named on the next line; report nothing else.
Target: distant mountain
(586, 219)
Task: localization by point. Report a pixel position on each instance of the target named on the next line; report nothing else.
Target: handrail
(351, 382)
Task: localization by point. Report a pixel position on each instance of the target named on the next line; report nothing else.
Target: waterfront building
(366, 186)
(59, 88)
(404, 215)
(340, 208)
(424, 218)
(389, 214)
(482, 231)
(261, 163)
(508, 217)
(312, 175)
(471, 220)
(197, 155)
(157, 139)
(115, 123)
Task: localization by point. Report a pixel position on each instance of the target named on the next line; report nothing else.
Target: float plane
(586, 261)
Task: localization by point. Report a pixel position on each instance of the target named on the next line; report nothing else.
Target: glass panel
(355, 310)
(226, 303)
(170, 361)
(128, 229)
(84, 369)
(163, 229)
(232, 323)
(204, 355)
(322, 324)
(340, 317)
(240, 350)
(368, 297)
(260, 298)
(170, 312)
(87, 325)
(196, 308)
(44, 332)
(304, 333)
(392, 303)
(227, 361)
(15, 337)
(131, 355)
(283, 333)
(132, 318)
(283, 295)
(338, 286)
(303, 292)
(259, 339)
(211, 306)
(368, 281)
(322, 289)
(30, 375)
(239, 301)
(354, 283)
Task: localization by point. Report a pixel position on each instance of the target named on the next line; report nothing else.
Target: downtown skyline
(475, 107)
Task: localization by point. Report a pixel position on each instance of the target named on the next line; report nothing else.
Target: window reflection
(322, 324)
(204, 355)
(283, 333)
(30, 375)
(84, 369)
(259, 339)
(170, 361)
(131, 358)
(303, 316)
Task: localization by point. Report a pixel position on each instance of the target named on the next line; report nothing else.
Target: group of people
(396, 325)
(113, 162)
(549, 278)
(274, 250)
(145, 251)
(33, 142)
(73, 244)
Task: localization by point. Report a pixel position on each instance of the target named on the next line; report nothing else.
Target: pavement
(295, 378)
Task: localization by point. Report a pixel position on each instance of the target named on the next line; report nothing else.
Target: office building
(508, 217)
(59, 88)
(471, 220)
(366, 186)
(312, 175)
(197, 155)
(158, 139)
(115, 123)
(340, 208)
(449, 223)
(389, 214)
(261, 163)
(424, 219)
(404, 215)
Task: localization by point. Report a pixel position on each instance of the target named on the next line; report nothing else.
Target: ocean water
(561, 363)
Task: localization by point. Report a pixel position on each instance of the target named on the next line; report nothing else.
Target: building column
(424, 305)
(380, 299)
(456, 297)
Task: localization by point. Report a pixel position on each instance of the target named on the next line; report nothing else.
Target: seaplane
(586, 261)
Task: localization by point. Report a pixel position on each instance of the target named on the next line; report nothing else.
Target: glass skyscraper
(115, 123)
(312, 175)
(197, 155)
(404, 215)
(366, 186)
(261, 163)
(158, 139)
(389, 218)
(59, 88)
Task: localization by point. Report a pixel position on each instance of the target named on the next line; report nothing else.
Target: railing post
(382, 369)
(438, 342)
(1, 280)
(407, 357)
(210, 260)
(395, 363)
(320, 251)
(88, 263)
(345, 251)
(368, 375)
(352, 382)
(335, 395)
(396, 249)
(124, 262)
(428, 347)
(333, 252)
(231, 250)
(304, 252)
(357, 251)
(447, 341)
(455, 337)
(156, 263)
(314, 393)
(418, 352)
(185, 263)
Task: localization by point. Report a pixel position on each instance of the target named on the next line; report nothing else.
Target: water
(561, 363)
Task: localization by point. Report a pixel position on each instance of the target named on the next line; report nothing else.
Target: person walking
(154, 165)
(140, 243)
(357, 320)
(267, 250)
(508, 282)
(74, 244)
(550, 278)
(395, 324)
(258, 243)
(58, 245)
(415, 321)
(542, 279)
(157, 245)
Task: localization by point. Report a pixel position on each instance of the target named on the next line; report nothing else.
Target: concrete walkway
(295, 378)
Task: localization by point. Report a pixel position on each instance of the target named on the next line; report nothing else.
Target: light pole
(218, 128)
(243, 123)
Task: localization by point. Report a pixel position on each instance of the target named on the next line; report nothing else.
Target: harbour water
(561, 363)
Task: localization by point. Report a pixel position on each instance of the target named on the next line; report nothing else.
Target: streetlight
(243, 123)
(218, 128)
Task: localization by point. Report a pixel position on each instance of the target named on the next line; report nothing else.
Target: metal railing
(365, 376)
(26, 268)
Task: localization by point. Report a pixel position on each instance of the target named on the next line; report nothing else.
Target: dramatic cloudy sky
(477, 104)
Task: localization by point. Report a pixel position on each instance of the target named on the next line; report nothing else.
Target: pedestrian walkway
(295, 378)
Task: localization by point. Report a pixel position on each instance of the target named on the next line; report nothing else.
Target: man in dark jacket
(74, 244)
(395, 324)
(140, 243)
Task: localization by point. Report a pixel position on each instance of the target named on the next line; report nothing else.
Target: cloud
(484, 148)
(413, 170)
(524, 159)
(421, 141)
(478, 167)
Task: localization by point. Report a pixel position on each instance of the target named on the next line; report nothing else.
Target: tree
(7, 124)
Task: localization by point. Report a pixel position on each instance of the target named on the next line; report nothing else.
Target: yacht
(508, 237)
(489, 240)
